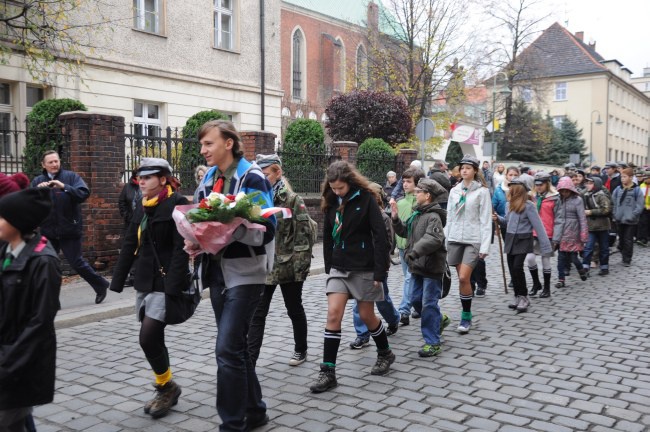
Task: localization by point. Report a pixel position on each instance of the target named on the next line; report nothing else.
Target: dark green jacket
(292, 241)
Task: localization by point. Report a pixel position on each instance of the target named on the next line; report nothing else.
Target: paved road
(579, 361)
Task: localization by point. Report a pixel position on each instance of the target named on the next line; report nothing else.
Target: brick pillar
(257, 142)
(347, 150)
(96, 152)
(404, 159)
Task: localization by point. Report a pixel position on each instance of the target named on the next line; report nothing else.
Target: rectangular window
(557, 121)
(146, 119)
(5, 94)
(527, 94)
(560, 91)
(147, 15)
(224, 24)
(34, 95)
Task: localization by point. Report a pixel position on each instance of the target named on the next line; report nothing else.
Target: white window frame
(527, 94)
(147, 122)
(140, 17)
(557, 121)
(6, 139)
(218, 13)
(561, 91)
(302, 63)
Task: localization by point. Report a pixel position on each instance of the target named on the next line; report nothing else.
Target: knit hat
(150, 166)
(12, 183)
(567, 184)
(26, 209)
(470, 160)
(267, 160)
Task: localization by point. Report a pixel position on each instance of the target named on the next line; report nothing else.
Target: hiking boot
(560, 284)
(584, 274)
(480, 292)
(429, 350)
(523, 304)
(404, 319)
(384, 360)
(603, 272)
(166, 397)
(535, 289)
(546, 293)
(392, 329)
(464, 326)
(326, 379)
(415, 315)
(513, 304)
(444, 323)
(359, 343)
(298, 358)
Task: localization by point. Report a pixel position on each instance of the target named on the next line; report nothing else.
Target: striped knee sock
(380, 337)
(466, 302)
(331, 346)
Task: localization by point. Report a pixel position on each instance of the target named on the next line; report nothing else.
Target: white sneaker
(298, 358)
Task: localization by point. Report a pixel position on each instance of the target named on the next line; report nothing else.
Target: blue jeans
(602, 237)
(72, 251)
(405, 305)
(385, 308)
(239, 394)
(425, 294)
(564, 260)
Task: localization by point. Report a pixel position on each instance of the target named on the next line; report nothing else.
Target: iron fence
(171, 146)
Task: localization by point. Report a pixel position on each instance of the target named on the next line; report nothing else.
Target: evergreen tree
(530, 135)
(572, 140)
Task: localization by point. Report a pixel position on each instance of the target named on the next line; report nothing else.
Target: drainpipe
(262, 65)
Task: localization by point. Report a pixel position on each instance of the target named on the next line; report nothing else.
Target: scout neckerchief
(460, 205)
(409, 222)
(338, 219)
(149, 204)
(8, 259)
(540, 198)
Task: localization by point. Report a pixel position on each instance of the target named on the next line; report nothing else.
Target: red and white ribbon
(286, 212)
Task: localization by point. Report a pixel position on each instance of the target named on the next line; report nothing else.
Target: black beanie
(26, 209)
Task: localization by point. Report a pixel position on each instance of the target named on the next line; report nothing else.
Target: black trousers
(516, 268)
(72, 250)
(643, 229)
(626, 239)
(479, 276)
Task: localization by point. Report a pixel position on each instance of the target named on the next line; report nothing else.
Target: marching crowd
(437, 222)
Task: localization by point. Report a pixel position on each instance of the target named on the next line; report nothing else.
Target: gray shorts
(358, 285)
(150, 304)
(462, 253)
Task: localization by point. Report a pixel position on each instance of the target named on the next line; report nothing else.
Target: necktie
(7, 261)
(218, 185)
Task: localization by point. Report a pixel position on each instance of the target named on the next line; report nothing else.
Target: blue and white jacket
(249, 258)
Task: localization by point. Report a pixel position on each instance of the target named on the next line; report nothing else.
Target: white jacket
(473, 224)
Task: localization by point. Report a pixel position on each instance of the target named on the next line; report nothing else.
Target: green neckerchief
(409, 222)
(338, 220)
(460, 206)
(540, 198)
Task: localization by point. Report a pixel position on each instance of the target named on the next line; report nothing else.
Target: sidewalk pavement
(578, 361)
(78, 299)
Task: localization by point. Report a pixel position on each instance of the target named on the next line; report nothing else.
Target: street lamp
(591, 135)
(504, 91)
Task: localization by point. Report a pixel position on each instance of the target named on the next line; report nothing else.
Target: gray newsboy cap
(150, 166)
(267, 160)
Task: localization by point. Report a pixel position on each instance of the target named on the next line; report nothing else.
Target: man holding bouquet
(236, 276)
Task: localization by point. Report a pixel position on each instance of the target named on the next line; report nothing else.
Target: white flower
(239, 196)
(256, 211)
(214, 199)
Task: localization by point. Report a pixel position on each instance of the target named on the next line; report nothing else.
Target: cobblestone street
(579, 361)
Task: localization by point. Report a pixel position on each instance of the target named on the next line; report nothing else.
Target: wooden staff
(503, 266)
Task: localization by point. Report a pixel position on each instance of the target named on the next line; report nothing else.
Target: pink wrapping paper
(210, 237)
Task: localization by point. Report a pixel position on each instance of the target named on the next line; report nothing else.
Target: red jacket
(547, 211)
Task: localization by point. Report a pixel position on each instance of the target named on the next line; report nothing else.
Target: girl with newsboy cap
(154, 239)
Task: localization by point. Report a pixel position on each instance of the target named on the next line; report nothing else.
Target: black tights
(152, 341)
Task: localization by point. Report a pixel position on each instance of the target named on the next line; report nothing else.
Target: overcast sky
(620, 28)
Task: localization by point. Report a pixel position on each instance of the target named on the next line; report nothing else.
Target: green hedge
(44, 130)
(191, 154)
(304, 159)
(375, 158)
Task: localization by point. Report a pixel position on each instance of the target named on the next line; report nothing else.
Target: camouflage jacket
(292, 241)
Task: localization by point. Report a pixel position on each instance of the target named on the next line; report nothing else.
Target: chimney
(373, 16)
(580, 35)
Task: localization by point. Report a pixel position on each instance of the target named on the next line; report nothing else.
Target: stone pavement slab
(579, 361)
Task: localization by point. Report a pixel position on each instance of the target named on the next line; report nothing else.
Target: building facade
(162, 61)
(565, 77)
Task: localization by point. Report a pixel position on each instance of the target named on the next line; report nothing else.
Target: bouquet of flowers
(211, 223)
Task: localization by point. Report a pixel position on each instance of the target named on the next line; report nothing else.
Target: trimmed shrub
(375, 158)
(304, 158)
(191, 154)
(44, 130)
(360, 115)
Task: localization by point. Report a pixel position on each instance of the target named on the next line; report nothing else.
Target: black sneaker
(359, 343)
(326, 380)
(480, 292)
(584, 274)
(257, 421)
(415, 315)
(392, 329)
(404, 319)
(298, 358)
(384, 360)
(603, 272)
